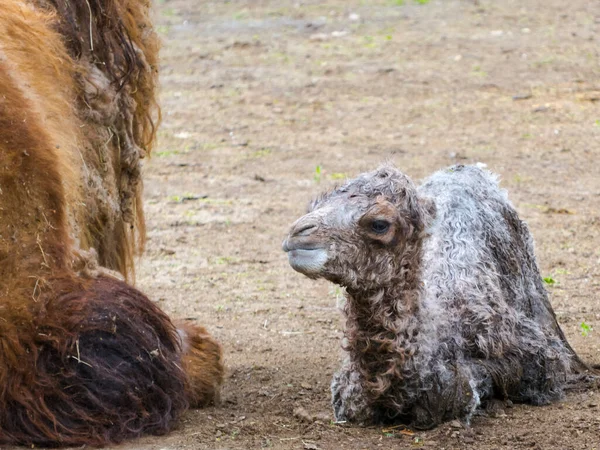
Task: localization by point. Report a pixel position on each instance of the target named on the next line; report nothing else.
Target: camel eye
(380, 226)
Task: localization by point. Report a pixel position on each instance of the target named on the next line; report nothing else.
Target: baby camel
(445, 307)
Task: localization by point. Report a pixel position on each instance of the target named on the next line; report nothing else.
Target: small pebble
(456, 424)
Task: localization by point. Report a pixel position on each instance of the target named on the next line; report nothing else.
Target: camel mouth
(300, 244)
(308, 261)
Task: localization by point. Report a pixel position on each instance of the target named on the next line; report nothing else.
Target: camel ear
(428, 206)
(420, 211)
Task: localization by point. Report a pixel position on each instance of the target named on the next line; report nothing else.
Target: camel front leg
(348, 397)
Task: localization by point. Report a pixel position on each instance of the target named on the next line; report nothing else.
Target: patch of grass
(421, 2)
(261, 153)
(215, 201)
(317, 175)
(240, 15)
(585, 329)
(478, 71)
(338, 176)
(166, 153)
(545, 61)
(209, 146)
(521, 178)
(370, 42)
(337, 293)
(163, 29)
(281, 57)
(224, 260)
(534, 206)
(549, 281)
(186, 197)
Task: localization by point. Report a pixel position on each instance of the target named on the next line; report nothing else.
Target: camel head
(357, 235)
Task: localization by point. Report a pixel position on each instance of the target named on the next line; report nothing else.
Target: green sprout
(318, 171)
(585, 329)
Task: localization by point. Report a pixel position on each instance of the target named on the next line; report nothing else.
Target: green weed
(166, 153)
(317, 176)
(585, 329)
(261, 153)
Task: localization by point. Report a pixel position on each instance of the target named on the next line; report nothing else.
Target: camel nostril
(305, 230)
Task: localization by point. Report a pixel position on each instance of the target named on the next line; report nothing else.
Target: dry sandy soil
(257, 95)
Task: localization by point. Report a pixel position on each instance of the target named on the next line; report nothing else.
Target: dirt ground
(266, 103)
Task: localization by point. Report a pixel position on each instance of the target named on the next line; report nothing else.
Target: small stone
(305, 385)
(455, 424)
(339, 33)
(322, 417)
(319, 37)
(354, 17)
(302, 414)
(498, 413)
(523, 96)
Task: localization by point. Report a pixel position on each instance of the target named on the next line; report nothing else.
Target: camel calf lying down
(445, 307)
(84, 357)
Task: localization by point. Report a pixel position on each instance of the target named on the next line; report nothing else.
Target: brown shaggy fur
(84, 358)
(202, 363)
(115, 54)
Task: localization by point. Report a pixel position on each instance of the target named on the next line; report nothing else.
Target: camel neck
(399, 292)
(382, 326)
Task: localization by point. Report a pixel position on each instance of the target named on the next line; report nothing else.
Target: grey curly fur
(445, 310)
